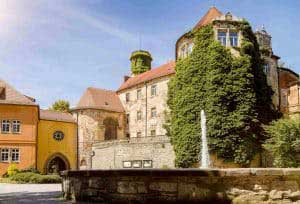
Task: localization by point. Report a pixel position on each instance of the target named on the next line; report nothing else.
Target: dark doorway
(56, 165)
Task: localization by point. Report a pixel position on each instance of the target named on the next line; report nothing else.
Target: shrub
(30, 169)
(29, 177)
(12, 170)
(284, 142)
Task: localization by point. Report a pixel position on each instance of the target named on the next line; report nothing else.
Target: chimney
(126, 78)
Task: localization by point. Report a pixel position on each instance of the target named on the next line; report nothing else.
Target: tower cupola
(264, 38)
(140, 62)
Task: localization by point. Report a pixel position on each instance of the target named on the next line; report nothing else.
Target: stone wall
(156, 150)
(145, 104)
(184, 186)
(91, 130)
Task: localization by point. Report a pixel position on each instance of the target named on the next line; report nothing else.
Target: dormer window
(185, 49)
(222, 37)
(233, 36)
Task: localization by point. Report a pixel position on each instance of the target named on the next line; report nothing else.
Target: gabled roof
(161, 71)
(56, 116)
(9, 95)
(94, 98)
(211, 14)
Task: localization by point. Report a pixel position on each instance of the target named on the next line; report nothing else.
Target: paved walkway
(30, 193)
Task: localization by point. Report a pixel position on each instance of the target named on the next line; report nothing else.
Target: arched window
(185, 49)
(111, 132)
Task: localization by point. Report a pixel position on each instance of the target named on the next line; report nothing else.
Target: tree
(284, 142)
(234, 93)
(60, 105)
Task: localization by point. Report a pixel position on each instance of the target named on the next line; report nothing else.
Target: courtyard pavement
(30, 193)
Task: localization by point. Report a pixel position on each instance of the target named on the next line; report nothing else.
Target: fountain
(205, 162)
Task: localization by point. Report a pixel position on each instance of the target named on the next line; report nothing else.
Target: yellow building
(56, 142)
(18, 128)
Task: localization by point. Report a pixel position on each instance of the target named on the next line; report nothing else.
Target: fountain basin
(182, 185)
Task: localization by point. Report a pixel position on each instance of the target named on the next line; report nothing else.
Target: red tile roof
(9, 95)
(56, 116)
(211, 14)
(161, 71)
(94, 98)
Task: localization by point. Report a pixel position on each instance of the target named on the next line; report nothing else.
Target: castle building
(135, 137)
(34, 138)
(124, 128)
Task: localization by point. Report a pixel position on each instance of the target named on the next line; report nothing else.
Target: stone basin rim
(211, 172)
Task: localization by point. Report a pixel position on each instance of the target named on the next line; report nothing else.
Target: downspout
(146, 115)
(37, 137)
(77, 143)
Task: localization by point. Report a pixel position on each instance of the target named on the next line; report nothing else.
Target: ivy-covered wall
(232, 91)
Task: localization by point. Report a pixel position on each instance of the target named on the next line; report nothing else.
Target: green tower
(140, 61)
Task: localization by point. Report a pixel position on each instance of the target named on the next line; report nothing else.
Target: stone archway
(56, 163)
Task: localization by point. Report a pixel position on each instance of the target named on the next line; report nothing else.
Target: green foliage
(12, 170)
(30, 177)
(140, 61)
(284, 142)
(234, 93)
(60, 105)
(30, 169)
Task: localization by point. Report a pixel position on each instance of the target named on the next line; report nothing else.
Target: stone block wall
(91, 130)
(111, 154)
(237, 186)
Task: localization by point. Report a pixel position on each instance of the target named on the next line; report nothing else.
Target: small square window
(16, 126)
(5, 126)
(127, 97)
(139, 115)
(153, 112)
(153, 133)
(139, 94)
(138, 134)
(4, 155)
(153, 90)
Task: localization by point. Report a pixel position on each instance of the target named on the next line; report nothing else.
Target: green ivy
(234, 93)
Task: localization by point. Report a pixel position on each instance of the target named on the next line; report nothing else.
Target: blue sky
(56, 49)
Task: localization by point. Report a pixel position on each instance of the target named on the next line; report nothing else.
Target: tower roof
(95, 98)
(211, 14)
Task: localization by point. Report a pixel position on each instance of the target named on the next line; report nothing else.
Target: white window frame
(15, 155)
(4, 151)
(5, 124)
(16, 124)
(153, 90)
(234, 40)
(127, 97)
(152, 135)
(153, 112)
(139, 115)
(138, 94)
(222, 39)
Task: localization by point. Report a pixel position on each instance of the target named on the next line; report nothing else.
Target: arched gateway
(56, 163)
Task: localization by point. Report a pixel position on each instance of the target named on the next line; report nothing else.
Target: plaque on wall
(147, 164)
(127, 164)
(137, 164)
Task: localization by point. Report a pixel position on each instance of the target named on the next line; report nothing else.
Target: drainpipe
(146, 115)
(77, 143)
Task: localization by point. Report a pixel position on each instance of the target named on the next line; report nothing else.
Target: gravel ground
(30, 193)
